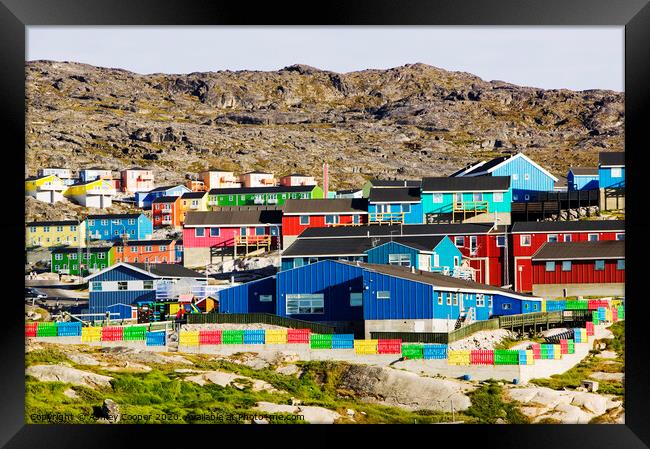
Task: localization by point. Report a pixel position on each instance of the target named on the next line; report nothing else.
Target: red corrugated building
(528, 237)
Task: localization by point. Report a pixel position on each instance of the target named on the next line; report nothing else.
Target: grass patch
(488, 406)
(44, 356)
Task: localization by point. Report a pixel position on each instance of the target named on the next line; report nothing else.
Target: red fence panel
(482, 357)
(210, 337)
(112, 333)
(589, 325)
(593, 304)
(298, 335)
(564, 347)
(385, 346)
(537, 350)
(30, 329)
(614, 314)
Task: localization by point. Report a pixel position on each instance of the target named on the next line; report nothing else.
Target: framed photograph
(385, 214)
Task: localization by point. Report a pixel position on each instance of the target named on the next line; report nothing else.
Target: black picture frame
(15, 15)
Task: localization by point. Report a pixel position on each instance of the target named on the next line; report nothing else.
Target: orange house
(141, 251)
(196, 186)
(166, 211)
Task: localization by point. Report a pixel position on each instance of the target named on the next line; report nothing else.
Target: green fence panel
(506, 357)
(134, 333)
(46, 329)
(413, 351)
(232, 337)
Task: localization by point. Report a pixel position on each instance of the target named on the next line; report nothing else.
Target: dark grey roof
(467, 167)
(393, 194)
(385, 230)
(611, 158)
(145, 242)
(273, 189)
(355, 246)
(395, 182)
(167, 270)
(34, 178)
(74, 249)
(166, 199)
(568, 226)
(603, 249)
(257, 173)
(488, 165)
(584, 171)
(332, 205)
(463, 184)
(296, 175)
(53, 223)
(162, 188)
(192, 195)
(112, 216)
(340, 192)
(224, 218)
(247, 207)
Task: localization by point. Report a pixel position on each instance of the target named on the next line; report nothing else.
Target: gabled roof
(394, 195)
(357, 246)
(256, 173)
(164, 188)
(490, 166)
(233, 218)
(396, 230)
(155, 271)
(297, 175)
(611, 159)
(584, 171)
(112, 216)
(193, 195)
(36, 178)
(145, 242)
(166, 199)
(53, 223)
(395, 182)
(96, 168)
(463, 184)
(76, 184)
(568, 226)
(603, 249)
(326, 206)
(467, 168)
(260, 190)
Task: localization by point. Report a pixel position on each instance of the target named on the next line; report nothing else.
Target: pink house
(296, 179)
(257, 179)
(137, 180)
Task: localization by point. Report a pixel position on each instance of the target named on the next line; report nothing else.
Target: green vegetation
(488, 406)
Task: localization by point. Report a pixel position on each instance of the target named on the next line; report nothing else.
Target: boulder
(68, 375)
(111, 411)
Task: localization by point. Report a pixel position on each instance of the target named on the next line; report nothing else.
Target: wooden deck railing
(386, 217)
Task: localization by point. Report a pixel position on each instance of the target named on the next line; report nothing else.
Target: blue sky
(549, 57)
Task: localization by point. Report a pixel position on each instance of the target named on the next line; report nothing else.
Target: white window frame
(525, 240)
(383, 294)
(331, 219)
(506, 306)
(455, 299)
(400, 259)
(122, 285)
(356, 299)
(196, 232)
(497, 197)
(147, 285)
(527, 197)
(406, 208)
(266, 298)
(567, 238)
(131, 221)
(515, 176)
(591, 235)
(548, 237)
(480, 300)
(101, 255)
(439, 298)
(503, 244)
(456, 238)
(567, 263)
(617, 172)
(448, 298)
(437, 198)
(456, 195)
(147, 249)
(620, 234)
(58, 257)
(548, 265)
(477, 196)
(304, 220)
(298, 303)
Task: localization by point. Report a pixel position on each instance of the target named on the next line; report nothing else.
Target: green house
(82, 261)
(388, 183)
(261, 196)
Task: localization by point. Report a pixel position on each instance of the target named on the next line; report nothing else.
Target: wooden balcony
(386, 218)
(253, 243)
(467, 209)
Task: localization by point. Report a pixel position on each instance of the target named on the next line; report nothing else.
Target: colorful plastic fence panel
(614, 314)
(188, 338)
(506, 357)
(30, 329)
(91, 334)
(209, 337)
(389, 346)
(254, 337)
(134, 333)
(459, 357)
(482, 357)
(602, 314)
(320, 341)
(577, 305)
(46, 329)
(298, 336)
(69, 329)
(342, 341)
(536, 350)
(435, 352)
(156, 338)
(557, 352)
(546, 351)
(232, 337)
(412, 351)
(571, 347)
(276, 336)
(112, 333)
(564, 346)
(365, 346)
(595, 317)
(621, 312)
(589, 327)
(555, 305)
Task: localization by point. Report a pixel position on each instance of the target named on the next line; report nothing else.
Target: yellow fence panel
(365, 346)
(89, 334)
(460, 357)
(188, 338)
(276, 336)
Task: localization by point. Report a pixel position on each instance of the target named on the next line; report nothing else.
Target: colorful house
(148, 251)
(55, 233)
(389, 183)
(196, 186)
(581, 178)
(219, 179)
(134, 283)
(166, 211)
(212, 236)
(349, 193)
(64, 174)
(98, 193)
(527, 178)
(137, 179)
(297, 179)
(529, 237)
(579, 268)
(252, 297)
(257, 179)
(145, 199)
(302, 214)
(395, 205)
(192, 202)
(91, 174)
(48, 188)
(81, 261)
(475, 199)
(261, 195)
(426, 253)
(119, 226)
(611, 169)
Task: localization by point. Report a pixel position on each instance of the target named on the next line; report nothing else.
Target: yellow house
(98, 193)
(49, 188)
(55, 233)
(193, 202)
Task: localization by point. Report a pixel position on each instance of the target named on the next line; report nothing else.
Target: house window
(214, 232)
(101, 255)
(593, 237)
(331, 219)
(448, 296)
(437, 197)
(524, 240)
(33, 229)
(506, 306)
(600, 265)
(105, 222)
(515, 176)
(497, 197)
(456, 261)
(620, 236)
(617, 172)
(134, 249)
(515, 197)
(526, 197)
(480, 300)
(91, 222)
(131, 221)
(473, 243)
(116, 232)
(399, 259)
(567, 237)
(73, 228)
(97, 286)
(132, 231)
(147, 285)
(566, 265)
(266, 298)
(199, 232)
(458, 197)
(526, 306)
(73, 256)
(122, 285)
(455, 299)
(535, 306)
(406, 208)
(356, 299)
(459, 241)
(436, 259)
(620, 264)
(439, 298)
(501, 241)
(550, 266)
(242, 231)
(526, 176)
(59, 229)
(298, 262)
(58, 257)
(355, 219)
(195, 203)
(259, 230)
(551, 238)
(477, 196)
(147, 249)
(489, 300)
(304, 219)
(162, 248)
(384, 294)
(46, 229)
(305, 304)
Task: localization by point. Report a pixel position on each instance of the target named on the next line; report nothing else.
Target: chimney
(326, 181)
(412, 269)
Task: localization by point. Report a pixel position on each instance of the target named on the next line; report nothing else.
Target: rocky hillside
(407, 121)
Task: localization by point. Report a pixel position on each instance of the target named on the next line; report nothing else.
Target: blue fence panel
(522, 357)
(343, 337)
(342, 344)
(68, 329)
(254, 337)
(602, 313)
(435, 352)
(156, 338)
(554, 305)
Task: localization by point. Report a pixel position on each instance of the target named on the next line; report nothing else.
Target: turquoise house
(395, 205)
(582, 178)
(430, 253)
(611, 169)
(465, 197)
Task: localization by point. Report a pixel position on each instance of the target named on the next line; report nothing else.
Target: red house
(165, 211)
(528, 237)
(212, 236)
(579, 268)
(318, 213)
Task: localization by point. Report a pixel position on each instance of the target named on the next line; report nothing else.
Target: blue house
(251, 297)
(527, 178)
(395, 205)
(118, 226)
(582, 178)
(133, 283)
(426, 253)
(144, 199)
(611, 169)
